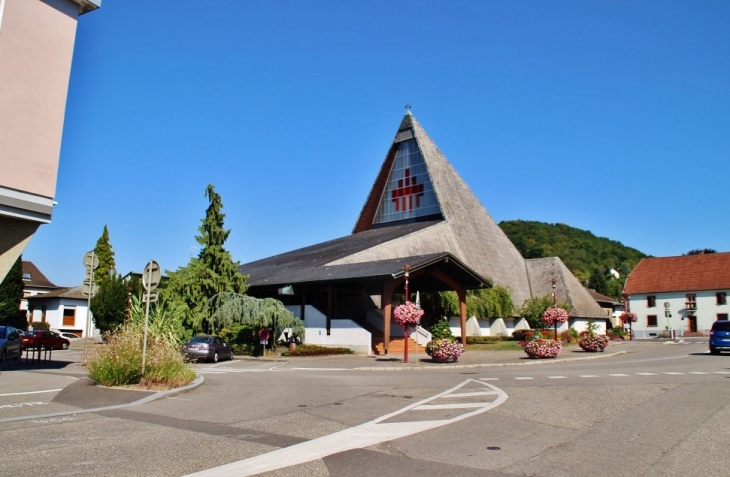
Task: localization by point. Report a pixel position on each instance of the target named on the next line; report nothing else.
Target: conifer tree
(213, 271)
(11, 292)
(104, 252)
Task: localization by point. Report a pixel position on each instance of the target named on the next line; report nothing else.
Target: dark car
(720, 336)
(10, 346)
(44, 339)
(208, 348)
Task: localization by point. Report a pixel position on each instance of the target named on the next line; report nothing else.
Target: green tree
(533, 308)
(598, 281)
(11, 293)
(495, 302)
(110, 303)
(104, 252)
(213, 271)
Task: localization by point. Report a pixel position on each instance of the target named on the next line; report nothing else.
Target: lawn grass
(494, 346)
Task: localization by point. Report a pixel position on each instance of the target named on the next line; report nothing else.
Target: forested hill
(581, 251)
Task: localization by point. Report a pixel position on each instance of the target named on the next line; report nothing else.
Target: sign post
(264, 337)
(150, 280)
(91, 262)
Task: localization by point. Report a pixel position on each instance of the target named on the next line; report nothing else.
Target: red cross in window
(407, 188)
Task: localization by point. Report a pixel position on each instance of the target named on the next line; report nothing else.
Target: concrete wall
(343, 332)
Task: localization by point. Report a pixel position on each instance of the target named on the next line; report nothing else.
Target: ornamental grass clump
(118, 361)
(444, 349)
(543, 348)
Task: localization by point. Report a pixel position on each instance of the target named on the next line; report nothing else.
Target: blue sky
(607, 116)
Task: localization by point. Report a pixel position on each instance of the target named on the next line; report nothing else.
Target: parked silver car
(208, 348)
(10, 346)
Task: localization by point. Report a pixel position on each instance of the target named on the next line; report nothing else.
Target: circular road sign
(91, 260)
(151, 275)
(264, 335)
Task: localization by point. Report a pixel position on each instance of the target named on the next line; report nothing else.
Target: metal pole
(555, 305)
(405, 327)
(146, 315)
(88, 303)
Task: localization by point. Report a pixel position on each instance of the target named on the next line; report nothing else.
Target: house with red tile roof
(681, 294)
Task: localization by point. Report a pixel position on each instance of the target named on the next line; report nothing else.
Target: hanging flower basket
(542, 348)
(593, 343)
(628, 317)
(555, 315)
(408, 314)
(444, 350)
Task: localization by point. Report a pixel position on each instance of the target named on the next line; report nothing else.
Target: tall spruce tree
(11, 292)
(213, 271)
(104, 252)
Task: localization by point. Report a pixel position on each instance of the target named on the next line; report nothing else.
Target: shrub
(486, 339)
(542, 348)
(441, 329)
(569, 336)
(41, 325)
(316, 350)
(523, 335)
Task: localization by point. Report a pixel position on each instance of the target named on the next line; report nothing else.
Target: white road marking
(464, 405)
(618, 375)
(480, 393)
(557, 377)
(22, 404)
(489, 379)
(669, 372)
(647, 374)
(358, 437)
(722, 372)
(588, 375)
(32, 392)
(321, 369)
(523, 377)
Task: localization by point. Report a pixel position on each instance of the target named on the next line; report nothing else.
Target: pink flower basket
(628, 317)
(408, 314)
(555, 315)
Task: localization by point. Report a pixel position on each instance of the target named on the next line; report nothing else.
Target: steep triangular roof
(463, 226)
(567, 287)
(33, 277)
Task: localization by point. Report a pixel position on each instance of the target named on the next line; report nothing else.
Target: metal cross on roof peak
(408, 108)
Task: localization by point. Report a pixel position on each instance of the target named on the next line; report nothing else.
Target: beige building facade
(36, 49)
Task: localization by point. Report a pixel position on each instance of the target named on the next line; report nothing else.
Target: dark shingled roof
(66, 292)
(37, 279)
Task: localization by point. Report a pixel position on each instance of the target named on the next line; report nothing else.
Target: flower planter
(543, 349)
(593, 344)
(444, 350)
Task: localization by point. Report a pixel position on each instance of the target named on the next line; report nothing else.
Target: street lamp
(554, 280)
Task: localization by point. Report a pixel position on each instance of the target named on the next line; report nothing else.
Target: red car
(45, 339)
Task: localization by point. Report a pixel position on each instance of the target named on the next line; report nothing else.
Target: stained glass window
(409, 193)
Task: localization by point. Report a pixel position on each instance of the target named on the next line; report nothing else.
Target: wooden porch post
(462, 313)
(388, 289)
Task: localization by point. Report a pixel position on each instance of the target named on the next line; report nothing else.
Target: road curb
(153, 397)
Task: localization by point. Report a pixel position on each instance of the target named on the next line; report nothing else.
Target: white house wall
(343, 332)
(54, 315)
(706, 312)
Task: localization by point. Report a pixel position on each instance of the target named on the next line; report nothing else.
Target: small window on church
(26, 276)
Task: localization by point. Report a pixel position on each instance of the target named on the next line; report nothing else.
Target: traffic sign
(91, 260)
(151, 276)
(90, 291)
(153, 296)
(264, 335)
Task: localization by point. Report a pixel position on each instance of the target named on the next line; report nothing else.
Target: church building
(420, 223)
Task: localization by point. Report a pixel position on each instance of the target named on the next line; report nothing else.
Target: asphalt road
(652, 410)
